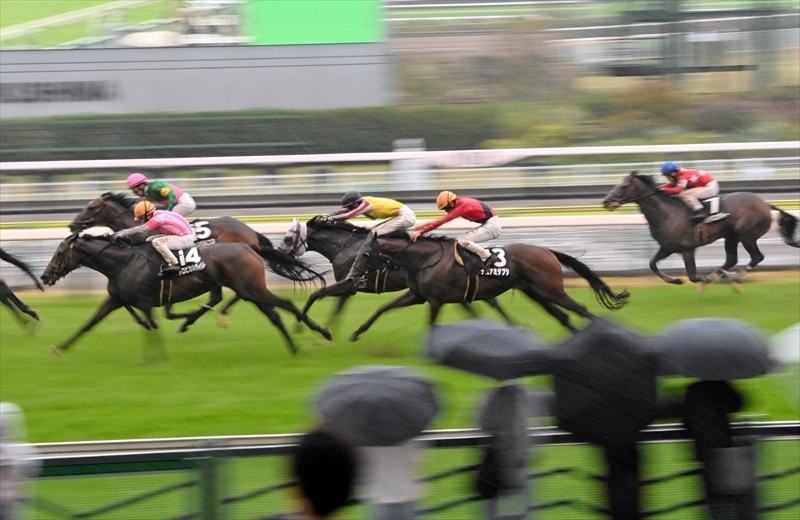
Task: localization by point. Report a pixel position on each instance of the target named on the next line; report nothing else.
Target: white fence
(399, 171)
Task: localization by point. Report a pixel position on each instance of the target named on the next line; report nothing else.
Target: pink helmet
(136, 179)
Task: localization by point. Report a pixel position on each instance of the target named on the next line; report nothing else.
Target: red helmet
(135, 179)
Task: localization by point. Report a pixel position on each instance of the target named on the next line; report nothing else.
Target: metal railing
(195, 465)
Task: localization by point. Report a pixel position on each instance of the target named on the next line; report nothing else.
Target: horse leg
(470, 310)
(691, 269)
(337, 311)
(222, 319)
(661, 254)
(731, 257)
(215, 296)
(406, 299)
(154, 350)
(108, 306)
(7, 302)
(435, 308)
(550, 306)
(15, 304)
(274, 301)
(139, 320)
(496, 306)
(756, 257)
(275, 318)
(345, 287)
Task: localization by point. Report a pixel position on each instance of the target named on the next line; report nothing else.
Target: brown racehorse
(133, 282)
(340, 242)
(7, 296)
(115, 210)
(668, 217)
(435, 277)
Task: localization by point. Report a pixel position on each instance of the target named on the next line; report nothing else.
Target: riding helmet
(144, 208)
(135, 179)
(444, 199)
(668, 168)
(351, 198)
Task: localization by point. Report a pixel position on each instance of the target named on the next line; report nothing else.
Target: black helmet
(351, 198)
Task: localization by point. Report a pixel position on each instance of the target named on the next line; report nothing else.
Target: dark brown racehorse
(115, 210)
(435, 277)
(340, 242)
(133, 282)
(669, 220)
(7, 296)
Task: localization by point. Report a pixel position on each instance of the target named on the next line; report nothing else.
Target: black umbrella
(489, 349)
(383, 406)
(712, 349)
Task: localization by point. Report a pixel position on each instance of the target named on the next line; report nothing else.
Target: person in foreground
(159, 191)
(474, 211)
(690, 185)
(176, 232)
(324, 465)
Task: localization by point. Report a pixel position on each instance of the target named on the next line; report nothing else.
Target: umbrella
(712, 349)
(384, 406)
(489, 349)
(784, 347)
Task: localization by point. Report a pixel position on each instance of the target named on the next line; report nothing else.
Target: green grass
(241, 380)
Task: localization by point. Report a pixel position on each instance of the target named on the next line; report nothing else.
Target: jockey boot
(699, 216)
(169, 271)
(489, 262)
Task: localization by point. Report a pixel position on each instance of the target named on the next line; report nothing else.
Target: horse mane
(319, 223)
(120, 198)
(650, 182)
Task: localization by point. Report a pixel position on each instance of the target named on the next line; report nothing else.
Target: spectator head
(324, 466)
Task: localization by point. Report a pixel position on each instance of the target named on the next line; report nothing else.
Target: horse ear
(635, 173)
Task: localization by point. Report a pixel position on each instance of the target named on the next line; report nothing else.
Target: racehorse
(133, 282)
(668, 217)
(115, 210)
(340, 242)
(7, 296)
(435, 277)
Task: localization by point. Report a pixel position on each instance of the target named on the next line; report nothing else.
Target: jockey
(176, 232)
(398, 214)
(690, 185)
(474, 211)
(178, 201)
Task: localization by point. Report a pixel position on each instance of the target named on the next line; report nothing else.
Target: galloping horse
(115, 210)
(7, 296)
(133, 282)
(340, 242)
(435, 277)
(668, 217)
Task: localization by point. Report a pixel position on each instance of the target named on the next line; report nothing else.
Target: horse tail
(787, 224)
(13, 260)
(286, 265)
(602, 291)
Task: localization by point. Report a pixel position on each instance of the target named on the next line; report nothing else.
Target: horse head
(632, 188)
(105, 210)
(294, 241)
(64, 261)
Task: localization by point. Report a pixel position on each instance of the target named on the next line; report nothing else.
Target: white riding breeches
(691, 196)
(404, 220)
(489, 230)
(185, 205)
(165, 243)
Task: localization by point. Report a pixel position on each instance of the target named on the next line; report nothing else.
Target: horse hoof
(735, 287)
(223, 321)
(54, 351)
(675, 281)
(352, 338)
(327, 334)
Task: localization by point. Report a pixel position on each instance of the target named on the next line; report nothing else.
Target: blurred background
(268, 110)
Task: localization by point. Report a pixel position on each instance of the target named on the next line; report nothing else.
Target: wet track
(612, 249)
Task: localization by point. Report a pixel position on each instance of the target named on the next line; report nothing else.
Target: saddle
(711, 211)
(189, 261)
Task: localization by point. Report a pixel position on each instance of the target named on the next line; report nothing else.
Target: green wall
(292, 22)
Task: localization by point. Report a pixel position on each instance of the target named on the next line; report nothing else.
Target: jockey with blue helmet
(690, 185)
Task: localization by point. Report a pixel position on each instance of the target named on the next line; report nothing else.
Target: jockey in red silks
(176, 232)
(474, 211)
(690, 185)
